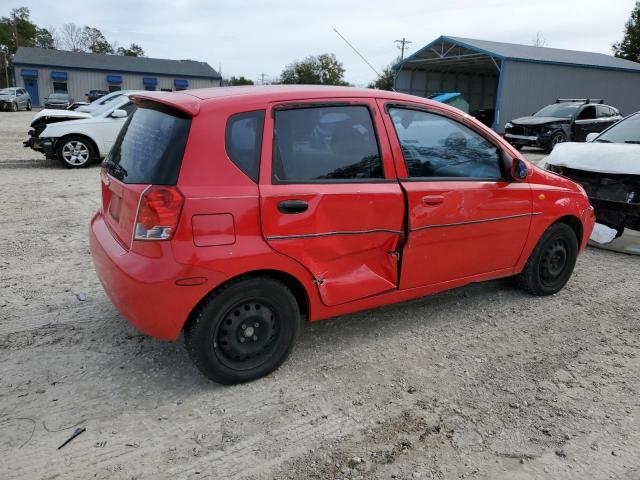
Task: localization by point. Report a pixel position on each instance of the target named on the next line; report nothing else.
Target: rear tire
(551, 263)
(75, 151)
(243, 331)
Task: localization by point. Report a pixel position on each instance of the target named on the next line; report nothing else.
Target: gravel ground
(481, 382)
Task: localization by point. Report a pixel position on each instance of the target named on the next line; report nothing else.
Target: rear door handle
(293, 206)
(432, 199)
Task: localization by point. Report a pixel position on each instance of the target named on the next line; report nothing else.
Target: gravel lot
(481, 382)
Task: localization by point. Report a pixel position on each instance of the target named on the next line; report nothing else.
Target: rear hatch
(146, 155)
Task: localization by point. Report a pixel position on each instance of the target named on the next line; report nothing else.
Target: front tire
(556, 138)
(29, 107)
(243, 331)
(75, 151)
(13, 107)
(551, 263)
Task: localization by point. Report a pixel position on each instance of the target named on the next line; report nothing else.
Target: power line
(358, 53)
(403, 43)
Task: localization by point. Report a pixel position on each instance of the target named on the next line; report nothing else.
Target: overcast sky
(251, 37)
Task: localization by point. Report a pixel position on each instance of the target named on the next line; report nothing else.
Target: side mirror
(592, 136)
(518, 170)
(118, 113)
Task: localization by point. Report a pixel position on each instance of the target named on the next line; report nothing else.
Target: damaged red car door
(330, 198)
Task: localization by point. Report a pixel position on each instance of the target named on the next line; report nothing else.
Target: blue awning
(114, 78)
(149, 81)
(28, 73)
(60, 76)
(181, 83)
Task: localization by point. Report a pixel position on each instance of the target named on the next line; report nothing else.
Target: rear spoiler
(178, 100)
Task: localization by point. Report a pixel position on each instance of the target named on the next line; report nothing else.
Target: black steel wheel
(243, 330)
(551, 263)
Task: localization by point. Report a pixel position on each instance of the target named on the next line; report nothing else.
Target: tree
(44, 39)
(539, 40)
(324, 69)
(134, 50)
(629, 47)
(384, 81)
(240, 81)
(15, 30)
(94, 41)
(72, 37)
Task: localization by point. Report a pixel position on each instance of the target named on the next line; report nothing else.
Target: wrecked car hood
(537, 120)
(59, 115)
(618, 158)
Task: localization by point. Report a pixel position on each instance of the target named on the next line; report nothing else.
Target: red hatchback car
(233, 213)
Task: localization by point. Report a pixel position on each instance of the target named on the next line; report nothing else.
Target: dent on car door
(329, 197)
(465, 218)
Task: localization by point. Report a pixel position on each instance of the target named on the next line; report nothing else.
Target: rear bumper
(144, 289)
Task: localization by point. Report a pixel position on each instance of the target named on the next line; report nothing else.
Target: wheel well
(574, 223)
(289, 280)
(89, 139)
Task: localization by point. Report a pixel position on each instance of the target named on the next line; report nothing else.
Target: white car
(608, 167)
(77, 139)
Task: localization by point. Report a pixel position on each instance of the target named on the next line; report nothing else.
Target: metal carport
(514, 79)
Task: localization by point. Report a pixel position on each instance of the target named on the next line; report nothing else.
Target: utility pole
(5, 66)
(15, 33)
(262, 75)
(402, 46)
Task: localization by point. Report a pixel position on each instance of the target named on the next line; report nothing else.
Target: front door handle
(293, 206)
(431, 200)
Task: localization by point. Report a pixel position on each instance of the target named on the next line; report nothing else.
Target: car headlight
(508, 125)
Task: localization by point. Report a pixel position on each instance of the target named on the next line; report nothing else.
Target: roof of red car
(190, 100)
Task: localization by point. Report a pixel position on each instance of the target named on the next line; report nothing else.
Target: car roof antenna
(360, 55)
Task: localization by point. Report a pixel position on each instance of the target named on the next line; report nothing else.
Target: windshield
(99, 110)
(625, 131)
(58, 96)
(7, 91)
(558, 110)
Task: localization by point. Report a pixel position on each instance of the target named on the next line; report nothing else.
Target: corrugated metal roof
(529, 53)
(112, 63)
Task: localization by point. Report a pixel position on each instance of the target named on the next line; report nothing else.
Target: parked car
(76, 105)
(608, 168)
(94, 95)
(14, 98)
(75, 138)
(567, 120)
(233, 213)
(60, 101)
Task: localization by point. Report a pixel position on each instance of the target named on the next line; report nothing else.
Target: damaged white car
(608, 167)
(77, 139)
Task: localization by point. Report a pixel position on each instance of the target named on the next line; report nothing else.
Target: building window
(166, 90)
(60, 87)
(114, 88)
(151, 88)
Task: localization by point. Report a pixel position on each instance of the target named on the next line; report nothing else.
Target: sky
(252, 37)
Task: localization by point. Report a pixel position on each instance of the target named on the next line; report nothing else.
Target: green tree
(134, 50)
(240, 81)
(384, 81)
(15, 30)
(629, 47)
(94, 41)
(323, 69)
(44, 39)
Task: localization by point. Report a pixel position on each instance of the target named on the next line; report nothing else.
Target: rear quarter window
(150, 146)
(243, 141)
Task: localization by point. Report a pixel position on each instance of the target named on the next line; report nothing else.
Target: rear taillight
(158, 213)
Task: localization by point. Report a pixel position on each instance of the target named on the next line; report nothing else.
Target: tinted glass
(244, 141)
(150, 146)
(587, 113)
(325, 143)
(436, 146)
(625, 131)
(558, 110)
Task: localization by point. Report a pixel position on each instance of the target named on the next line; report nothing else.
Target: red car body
(358, 245)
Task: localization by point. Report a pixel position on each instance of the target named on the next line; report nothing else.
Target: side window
(587, 113)
(244, 141)
(325, 143)
(603, 111)
(434, 146)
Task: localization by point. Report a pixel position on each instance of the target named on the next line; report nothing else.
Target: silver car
(14, 98)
